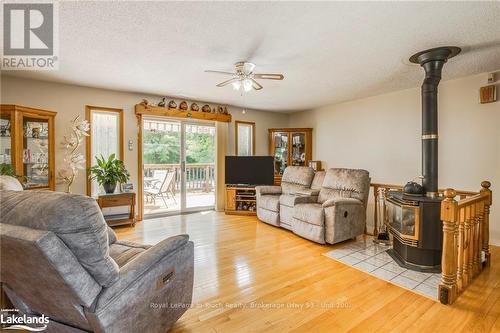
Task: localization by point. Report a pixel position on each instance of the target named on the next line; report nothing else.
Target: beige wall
(263, 121)
(381, 134)
(70, 100)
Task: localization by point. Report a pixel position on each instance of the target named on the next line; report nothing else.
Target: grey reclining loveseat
(60, 259)
(323, 207)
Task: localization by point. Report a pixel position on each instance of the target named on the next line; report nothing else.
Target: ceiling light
(247, 85)
(236, 85)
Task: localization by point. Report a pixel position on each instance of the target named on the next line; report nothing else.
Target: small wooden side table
(117, 200)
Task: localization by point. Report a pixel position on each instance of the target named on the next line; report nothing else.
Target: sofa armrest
(341, 201)
(154, 265)
(304, 199)
(264, 190)
(307, 192)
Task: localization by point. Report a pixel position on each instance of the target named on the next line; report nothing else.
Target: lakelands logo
(10, 319)
(30, 36)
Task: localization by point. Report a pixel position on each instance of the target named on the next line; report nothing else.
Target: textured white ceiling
(328, 51)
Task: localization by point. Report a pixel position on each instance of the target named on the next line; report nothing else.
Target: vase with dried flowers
(73, 159)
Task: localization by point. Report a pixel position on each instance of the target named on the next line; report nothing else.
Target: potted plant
(109, 172)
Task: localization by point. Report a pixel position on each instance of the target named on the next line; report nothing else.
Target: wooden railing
(379, 191)
(465, 240)
(465, 235)
(199, 176)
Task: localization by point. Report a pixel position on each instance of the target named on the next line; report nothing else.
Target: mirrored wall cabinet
(27, 145)
(289, 146)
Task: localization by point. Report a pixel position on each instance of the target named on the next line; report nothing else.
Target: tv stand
(240, 200)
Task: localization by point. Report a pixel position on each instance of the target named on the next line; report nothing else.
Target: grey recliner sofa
(60, 259)
(323, 207)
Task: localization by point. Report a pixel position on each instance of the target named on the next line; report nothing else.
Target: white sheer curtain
(245, 139)
(105, 138)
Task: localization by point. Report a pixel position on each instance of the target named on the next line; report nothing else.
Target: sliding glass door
(200, 165)
(178, 166)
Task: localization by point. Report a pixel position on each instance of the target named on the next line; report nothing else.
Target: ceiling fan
(243, 77)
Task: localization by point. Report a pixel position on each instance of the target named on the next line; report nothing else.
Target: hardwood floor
(250, 276)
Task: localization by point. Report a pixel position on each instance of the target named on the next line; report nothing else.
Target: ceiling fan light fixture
(236, 85)
(247, 85)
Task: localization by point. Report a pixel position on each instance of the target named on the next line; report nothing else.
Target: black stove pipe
(432, 61)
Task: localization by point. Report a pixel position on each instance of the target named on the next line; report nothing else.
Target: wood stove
(417, 230)
(414, 220)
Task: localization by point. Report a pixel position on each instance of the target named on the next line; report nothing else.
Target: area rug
(373, 259)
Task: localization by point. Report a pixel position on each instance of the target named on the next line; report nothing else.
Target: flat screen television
(249, 170)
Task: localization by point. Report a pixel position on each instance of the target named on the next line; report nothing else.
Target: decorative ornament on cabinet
(172, 105)
(206, 108)
(162, 103)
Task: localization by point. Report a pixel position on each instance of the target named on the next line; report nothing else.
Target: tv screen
(249, 170)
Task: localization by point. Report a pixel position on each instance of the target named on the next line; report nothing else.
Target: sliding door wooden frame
(88, 141)
(236, 123)
(140, 183)
(140, 171)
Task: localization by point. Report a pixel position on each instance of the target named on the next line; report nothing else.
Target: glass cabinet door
(6, 160)
(35, 152)
(299, 149)
(280, 140)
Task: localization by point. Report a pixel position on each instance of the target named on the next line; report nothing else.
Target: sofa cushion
(270, 202)
(75, 219)
(312, 213)
(287, 200)
(345, 183)
(122, 251)
(296, 178)
(319, 177)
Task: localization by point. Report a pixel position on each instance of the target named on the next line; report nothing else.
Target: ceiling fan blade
(256, 85)
(225, 83)
(269, 76)
(219, 72)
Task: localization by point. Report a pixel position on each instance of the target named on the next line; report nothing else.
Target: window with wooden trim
(106, 138)
(244, 138)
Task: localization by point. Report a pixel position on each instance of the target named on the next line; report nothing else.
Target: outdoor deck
(193, 199)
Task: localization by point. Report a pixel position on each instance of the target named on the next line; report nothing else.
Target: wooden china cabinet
(27, 145)
(289, 146)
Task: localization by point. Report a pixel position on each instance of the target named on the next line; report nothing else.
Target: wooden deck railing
(199, 176)
(465, 240)
(465, 235)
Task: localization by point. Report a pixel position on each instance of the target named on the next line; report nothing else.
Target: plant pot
(109, 187)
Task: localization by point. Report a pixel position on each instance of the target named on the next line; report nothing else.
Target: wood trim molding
(88, 139)
(290, 129)
(140, 185)
(236, 123)
(152, 110)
